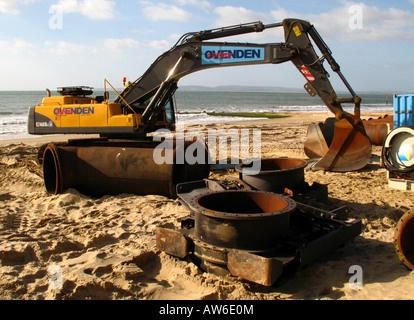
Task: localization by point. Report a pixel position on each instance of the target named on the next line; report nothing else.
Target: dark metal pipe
(250, 220)
(275, 174)
(104, 167)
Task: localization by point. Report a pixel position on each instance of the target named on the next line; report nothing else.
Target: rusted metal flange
(275, 175)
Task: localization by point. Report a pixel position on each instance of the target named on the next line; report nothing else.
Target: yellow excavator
(147, 104)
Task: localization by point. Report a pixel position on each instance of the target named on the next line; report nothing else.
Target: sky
(47, 44)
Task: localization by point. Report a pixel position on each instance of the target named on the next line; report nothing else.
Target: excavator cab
(165, 118)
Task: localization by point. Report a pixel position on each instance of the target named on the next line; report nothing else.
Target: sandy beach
(105, 247)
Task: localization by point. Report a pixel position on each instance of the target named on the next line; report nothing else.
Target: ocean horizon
(193, 106)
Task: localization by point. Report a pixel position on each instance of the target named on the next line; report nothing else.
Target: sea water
(192, 106)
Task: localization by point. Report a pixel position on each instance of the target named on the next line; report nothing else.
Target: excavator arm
(193, 53)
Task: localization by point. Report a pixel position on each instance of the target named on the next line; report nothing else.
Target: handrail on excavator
(119, 95)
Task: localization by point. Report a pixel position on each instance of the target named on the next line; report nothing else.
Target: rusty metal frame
(312, 233)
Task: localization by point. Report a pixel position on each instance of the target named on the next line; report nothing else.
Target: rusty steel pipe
(248, 220)
(404, 239)
(378, 129)
(97, 168)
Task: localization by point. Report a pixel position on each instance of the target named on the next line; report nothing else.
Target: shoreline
(293, 117)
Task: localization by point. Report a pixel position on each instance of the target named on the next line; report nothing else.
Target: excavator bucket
(341, 146)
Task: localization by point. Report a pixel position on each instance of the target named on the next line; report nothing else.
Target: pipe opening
(51, 170)
(243, 202)
(407, 242)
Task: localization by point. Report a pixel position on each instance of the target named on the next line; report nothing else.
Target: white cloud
(229, 15)
(93, 9)
(118, 44)
(160, 44)
(163, 11)
(390, 24)
(8, 6)
(377, 24)
(17, 47)
(114, 48)
(65, 48)
(11, 6)
(108, 46)
(174, 37)
(201, 4)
